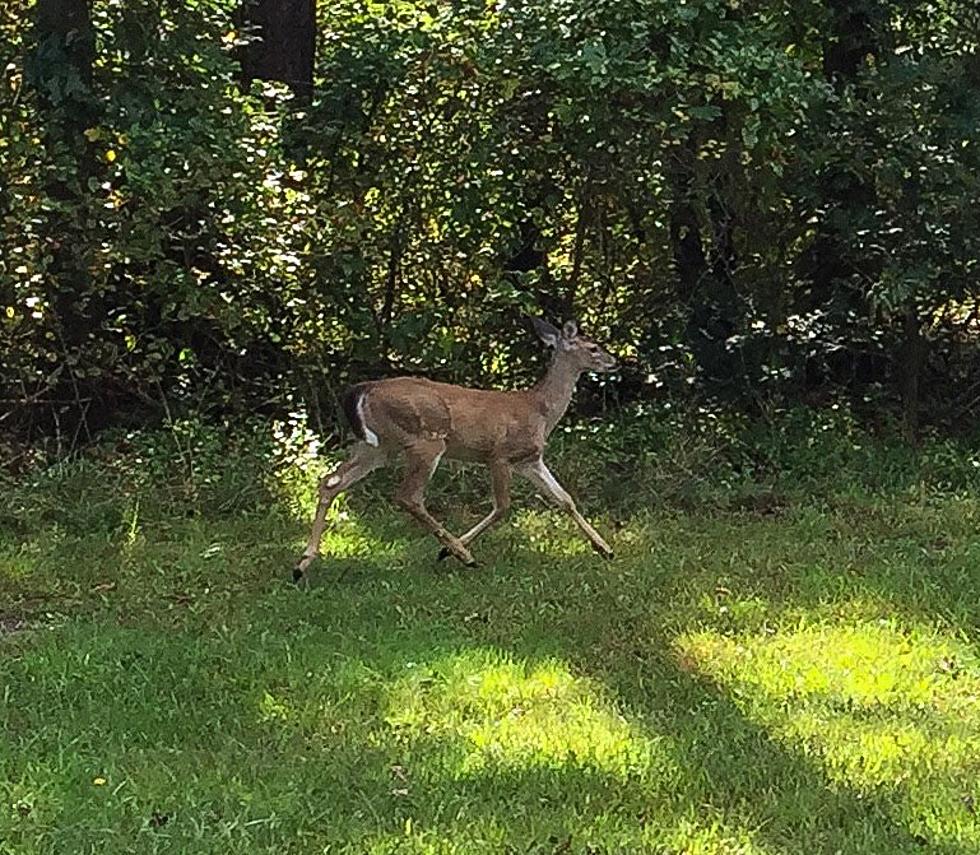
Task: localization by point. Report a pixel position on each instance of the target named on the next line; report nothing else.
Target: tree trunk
(285, 43)
(571, 286)
(58, 64)
(705, 287)
(63, 35)
(850, 38)
(829, 263)
(912, 357)
(529, 256)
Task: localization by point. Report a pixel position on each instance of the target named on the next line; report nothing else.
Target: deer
(424, 422)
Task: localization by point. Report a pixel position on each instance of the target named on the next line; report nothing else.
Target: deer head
(574, 348)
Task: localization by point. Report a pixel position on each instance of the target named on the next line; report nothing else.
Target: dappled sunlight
(415, 837)
(550, 532)
(884, 710)
(866, 666)
(293, 480)
(20, 562)
(708, 836)
(295, 490)
(496, 725)
(347, 536)
(298, 465)
(487, 835)
(505, 713)
(406, 705)
(24, 559)
(272, 708)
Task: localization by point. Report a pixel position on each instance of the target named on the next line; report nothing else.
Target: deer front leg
(363, 460)
(541, 477)
(422, 458)
(500, 479)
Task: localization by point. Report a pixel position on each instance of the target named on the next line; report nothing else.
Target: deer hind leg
(422, 458)
(541, 477)
(500, 479)
(363, 460)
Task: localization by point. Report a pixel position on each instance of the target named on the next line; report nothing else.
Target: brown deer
(425, 421)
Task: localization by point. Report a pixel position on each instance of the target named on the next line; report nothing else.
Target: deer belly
(461, 451)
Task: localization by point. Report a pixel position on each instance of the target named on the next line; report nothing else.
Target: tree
(59, 69)
(284, 43)
(59, 63)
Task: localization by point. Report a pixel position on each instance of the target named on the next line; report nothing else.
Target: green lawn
(803, 679)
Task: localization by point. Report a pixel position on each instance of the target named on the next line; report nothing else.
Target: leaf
(706, 112)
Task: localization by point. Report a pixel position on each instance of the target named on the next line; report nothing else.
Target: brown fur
(476, 424)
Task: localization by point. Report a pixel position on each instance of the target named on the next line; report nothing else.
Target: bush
(695, 459)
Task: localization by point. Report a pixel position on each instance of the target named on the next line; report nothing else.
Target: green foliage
(737, 214)
(680, 458)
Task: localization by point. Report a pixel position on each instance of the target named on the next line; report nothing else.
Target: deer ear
(546, 332)
(570, 330)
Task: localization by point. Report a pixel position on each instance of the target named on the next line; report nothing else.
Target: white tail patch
(370, 437)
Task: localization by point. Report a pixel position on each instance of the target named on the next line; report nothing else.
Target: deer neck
(553, 392)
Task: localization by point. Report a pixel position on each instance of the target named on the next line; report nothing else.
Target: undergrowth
(695, 460)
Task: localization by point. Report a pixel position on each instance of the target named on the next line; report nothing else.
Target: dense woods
(219, 207)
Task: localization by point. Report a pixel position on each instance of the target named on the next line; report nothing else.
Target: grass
(793, 678)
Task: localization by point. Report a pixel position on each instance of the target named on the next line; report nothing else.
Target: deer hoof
(605, 552)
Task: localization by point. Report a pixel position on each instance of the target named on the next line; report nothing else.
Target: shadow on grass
(900, 568)
(742, 768)
(252, 712)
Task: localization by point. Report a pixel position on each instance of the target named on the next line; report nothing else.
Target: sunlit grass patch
(702, 836)
(549, 531)
(688, 836)
(499, 712)
(411, 839)
(347, 536)
(299, 462)
(883, 710)
(865, 666)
